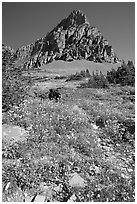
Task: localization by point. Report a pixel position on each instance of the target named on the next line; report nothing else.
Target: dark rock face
(72, 39)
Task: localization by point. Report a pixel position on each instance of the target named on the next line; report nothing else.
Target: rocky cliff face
(72, 39)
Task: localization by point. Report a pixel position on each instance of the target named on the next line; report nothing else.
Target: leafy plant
(97, 80)
(124, 75)
(14, 87)
(79, 75)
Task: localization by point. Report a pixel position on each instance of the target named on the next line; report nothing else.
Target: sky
(25, 22)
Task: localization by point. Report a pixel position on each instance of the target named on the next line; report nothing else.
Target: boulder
(39, 198)
(46, 191)
(12, 133)
(76, 181)
(73, 198)
(12, 193)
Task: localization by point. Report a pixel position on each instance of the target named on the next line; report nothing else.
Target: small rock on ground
(76, 181)
(39, 198)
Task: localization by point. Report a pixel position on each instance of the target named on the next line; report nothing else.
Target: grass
(62, 140)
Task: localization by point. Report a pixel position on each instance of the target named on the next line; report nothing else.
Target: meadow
(63, 144)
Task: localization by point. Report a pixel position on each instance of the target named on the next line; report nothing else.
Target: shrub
(87, 73)
(97, 81)
(124, 75)
(14, 88)
(79, 76)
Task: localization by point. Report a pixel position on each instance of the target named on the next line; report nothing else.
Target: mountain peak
(72, 39)
(75, 19)
(78, 16)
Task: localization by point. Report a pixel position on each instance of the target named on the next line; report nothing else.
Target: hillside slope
(64, 68)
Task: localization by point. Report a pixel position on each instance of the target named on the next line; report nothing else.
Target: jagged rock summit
(72, 39)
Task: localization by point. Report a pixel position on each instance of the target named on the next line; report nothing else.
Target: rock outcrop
(72, 39)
